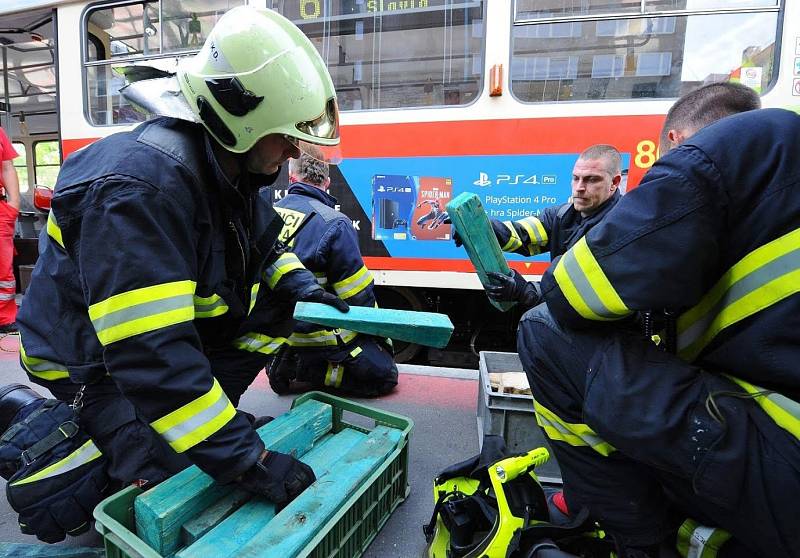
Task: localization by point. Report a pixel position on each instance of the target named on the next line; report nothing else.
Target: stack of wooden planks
(190, 516)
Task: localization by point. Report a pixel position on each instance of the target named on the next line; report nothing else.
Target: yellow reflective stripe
(209, 306)
(514, 241)
(87, 453)
(322, 338)
(334, 375)
(783, 410)
(254, 342)
(53, 230)
(573, 434)
(42, 368)
(141, 310)
(763, 277)
(355, 352)
(253, 296)
(698, 541)
(354, 284)
(536, 234)
(284, 264)
(586, 287)
(197, 420)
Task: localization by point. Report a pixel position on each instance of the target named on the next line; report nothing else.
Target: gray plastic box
(510, 415)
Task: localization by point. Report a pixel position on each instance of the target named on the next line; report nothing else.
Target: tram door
(29, 117)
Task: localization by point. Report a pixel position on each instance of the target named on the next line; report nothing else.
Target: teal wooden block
(162, 511)
(301, 520)
(203, 523)
(17, 550)
(230, 535)
(423, 328)
(472, 225)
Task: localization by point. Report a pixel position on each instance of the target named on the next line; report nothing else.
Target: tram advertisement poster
(405, 197)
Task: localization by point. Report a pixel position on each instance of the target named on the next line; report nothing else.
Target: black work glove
(513, 288)
(278, 476)
(323, 296)
(457, 239)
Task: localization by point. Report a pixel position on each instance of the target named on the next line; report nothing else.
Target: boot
(17, 401)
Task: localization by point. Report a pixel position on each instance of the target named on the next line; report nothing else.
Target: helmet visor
(326, 128)
(331, 154)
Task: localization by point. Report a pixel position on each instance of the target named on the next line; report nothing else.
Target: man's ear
(327, 183)
(615, 182)
(676, 137)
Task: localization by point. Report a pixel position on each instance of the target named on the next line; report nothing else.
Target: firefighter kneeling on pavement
(697, 450)
(161, 289)
(326, 243)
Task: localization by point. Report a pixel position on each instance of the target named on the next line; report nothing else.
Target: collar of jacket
(313, 192)
(601, 210)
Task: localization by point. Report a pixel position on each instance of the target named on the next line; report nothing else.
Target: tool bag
(492, 506)
(55, 473)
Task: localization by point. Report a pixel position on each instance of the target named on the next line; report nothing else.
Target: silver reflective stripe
(8, 284)
(196, 421)
(584, 288)
(38, 366)
(81, 456)
(323, 337)
(322, 278)
(256, 342)
(207, 305)
(531, 222)
(144, 310)
(589, 439)
(746, 285)
(355, 287)
(7, 296)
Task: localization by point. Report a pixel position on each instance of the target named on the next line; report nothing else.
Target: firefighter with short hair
(701, 447)
(327, 244)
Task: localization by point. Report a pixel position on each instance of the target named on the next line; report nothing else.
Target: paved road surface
(442, 406)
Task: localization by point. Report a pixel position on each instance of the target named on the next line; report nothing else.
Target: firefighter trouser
(362, 367)
(8, 286)
(645, 440)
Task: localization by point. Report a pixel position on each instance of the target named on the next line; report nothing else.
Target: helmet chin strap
(159, 96)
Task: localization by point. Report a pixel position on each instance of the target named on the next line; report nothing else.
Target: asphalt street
(441, 402)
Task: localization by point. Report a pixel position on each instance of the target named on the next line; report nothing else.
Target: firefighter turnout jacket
(154, 268)
(555, 230)
(327, 246)
(712, 233)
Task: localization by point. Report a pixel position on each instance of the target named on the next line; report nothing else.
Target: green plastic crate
(347, 534)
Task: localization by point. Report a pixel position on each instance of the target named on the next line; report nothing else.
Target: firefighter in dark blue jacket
(161, 287)
(327, 244)
(646, 438)
(596, 177)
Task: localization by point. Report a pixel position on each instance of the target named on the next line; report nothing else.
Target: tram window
(540, 9)
(21, 164)
(134, 32)
(47, 162)
(658, 57)
(392, 54)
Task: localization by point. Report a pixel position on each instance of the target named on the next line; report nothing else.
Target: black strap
(65, 431)
(430, 527)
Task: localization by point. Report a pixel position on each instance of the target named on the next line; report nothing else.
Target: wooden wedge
(422, 328)
(162, 511)
(19, 550)
(235, 531)
(294, 527)
(472, 225)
